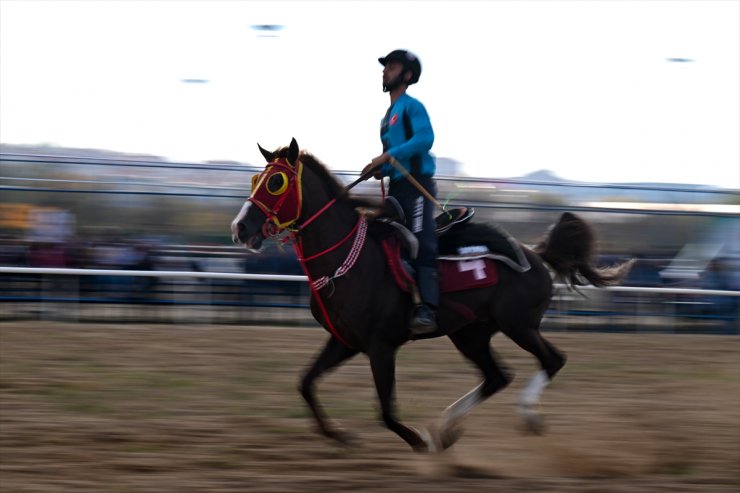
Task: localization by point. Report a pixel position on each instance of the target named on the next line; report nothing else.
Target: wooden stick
(415, 183)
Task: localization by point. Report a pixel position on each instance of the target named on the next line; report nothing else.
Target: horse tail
(569, 249)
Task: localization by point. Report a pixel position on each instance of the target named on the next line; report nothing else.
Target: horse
(356, 298)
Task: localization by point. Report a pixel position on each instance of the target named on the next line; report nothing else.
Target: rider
(407, 137)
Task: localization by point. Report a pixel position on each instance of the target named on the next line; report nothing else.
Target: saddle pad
(454, 275)
(459, 275)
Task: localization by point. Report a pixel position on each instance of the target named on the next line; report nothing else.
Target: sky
(596, 91)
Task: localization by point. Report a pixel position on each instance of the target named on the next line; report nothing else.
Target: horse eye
(277, 184)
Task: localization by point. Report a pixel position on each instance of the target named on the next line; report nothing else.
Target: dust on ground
(160, 408)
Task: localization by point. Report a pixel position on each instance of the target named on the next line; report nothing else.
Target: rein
(308, 221)
(331, 248)
(359, 231)
(346, 189)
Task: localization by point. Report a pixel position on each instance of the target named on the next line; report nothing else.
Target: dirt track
(96, 408)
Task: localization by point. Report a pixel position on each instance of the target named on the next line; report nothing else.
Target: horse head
(275, 202)
(291, 192)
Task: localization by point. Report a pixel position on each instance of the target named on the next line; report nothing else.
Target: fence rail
(297, 278)
(226, 297)
(152, 273)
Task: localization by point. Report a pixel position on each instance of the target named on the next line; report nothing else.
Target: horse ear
(293, 152)
(269, 156)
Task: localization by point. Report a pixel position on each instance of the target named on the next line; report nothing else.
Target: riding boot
(424, 319)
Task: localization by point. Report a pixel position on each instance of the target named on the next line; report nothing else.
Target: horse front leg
(333, 354)
(383, 366)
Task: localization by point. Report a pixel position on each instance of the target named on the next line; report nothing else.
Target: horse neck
(328, 229)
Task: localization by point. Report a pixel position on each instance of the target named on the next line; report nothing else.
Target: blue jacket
(407, 135)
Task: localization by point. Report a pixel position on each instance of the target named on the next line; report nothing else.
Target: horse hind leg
(474, 342)
(551, 360)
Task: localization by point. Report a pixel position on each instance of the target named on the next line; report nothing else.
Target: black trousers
(419, 212)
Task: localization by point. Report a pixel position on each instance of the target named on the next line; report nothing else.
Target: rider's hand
(375, 164)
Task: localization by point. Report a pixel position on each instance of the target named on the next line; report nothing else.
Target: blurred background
(142, 351)
(76, 208)
(128, 132)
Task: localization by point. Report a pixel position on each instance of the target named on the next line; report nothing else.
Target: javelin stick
(416, 184)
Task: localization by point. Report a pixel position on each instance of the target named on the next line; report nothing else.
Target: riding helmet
(409, 60)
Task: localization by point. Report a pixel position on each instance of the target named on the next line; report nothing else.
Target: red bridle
(277, 192)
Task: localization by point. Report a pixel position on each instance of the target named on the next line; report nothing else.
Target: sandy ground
(160, 408)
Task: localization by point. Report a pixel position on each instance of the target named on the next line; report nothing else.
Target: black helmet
(409, 60)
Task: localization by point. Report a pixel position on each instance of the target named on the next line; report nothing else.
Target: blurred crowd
(123, 255)
(92, 255)
(158, 255)
(141, 254)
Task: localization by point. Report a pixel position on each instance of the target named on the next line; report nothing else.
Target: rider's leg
(419, 212)
(423, 225)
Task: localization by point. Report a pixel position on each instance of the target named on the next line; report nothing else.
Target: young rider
(407, 137)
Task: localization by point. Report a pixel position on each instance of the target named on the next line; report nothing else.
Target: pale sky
(587, 89)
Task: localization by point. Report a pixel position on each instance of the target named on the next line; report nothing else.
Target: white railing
(185, 298)
(150, 273)
(296, 278)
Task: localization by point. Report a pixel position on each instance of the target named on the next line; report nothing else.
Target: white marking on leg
(462, 406)
(531, 393)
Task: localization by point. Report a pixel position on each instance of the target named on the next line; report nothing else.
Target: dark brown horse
(355, 296)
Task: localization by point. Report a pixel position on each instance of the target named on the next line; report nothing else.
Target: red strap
(318, 213)
(330, 325)
(301, 259)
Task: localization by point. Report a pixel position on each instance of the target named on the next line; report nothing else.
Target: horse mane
(334, 187)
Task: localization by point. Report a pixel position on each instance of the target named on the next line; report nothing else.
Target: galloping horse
(357, 299)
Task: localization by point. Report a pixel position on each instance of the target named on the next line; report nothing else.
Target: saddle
(462, 265)
(391, 213)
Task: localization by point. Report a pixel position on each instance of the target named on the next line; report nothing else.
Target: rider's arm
(422, 136)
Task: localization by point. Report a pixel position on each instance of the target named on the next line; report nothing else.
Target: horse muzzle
(239, 235)
(254, 243)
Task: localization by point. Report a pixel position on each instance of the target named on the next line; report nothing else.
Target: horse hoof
(344, 438)
(534, 424)
(421, 448)
(426, 443)
(450, 435)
